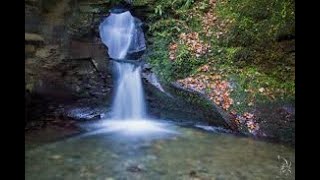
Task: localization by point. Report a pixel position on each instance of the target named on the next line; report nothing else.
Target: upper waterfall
(122, 34)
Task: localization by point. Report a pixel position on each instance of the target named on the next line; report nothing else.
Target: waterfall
(119, 33)
(116, 32)
(123, 35)
(129, 101)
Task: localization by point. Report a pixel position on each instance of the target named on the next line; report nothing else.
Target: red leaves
(172, 51)
(208, 21)
(248, 115)
(204, 68)
(213, 86)
(192, 41)
(221, 93)
(218, 91)
(247, 120)
(194, 44)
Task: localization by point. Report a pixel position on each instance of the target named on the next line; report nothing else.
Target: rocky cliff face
(65, 63)
(66, 68)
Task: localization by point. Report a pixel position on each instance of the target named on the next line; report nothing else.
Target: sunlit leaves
(158, 10)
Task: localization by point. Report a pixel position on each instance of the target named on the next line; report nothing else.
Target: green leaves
(158, 10)
(244, 39)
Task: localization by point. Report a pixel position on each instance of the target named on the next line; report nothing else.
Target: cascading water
(116, 33)
(129, 100)
(119, 32)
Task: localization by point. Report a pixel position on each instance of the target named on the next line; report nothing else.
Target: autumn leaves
(218, 91)
(212, 85)
(193, 43)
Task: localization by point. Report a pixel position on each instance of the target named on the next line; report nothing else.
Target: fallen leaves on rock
(248, 120)
(212, 85)
(208, 21)
(173, 51)
(194, 44)
(218, 91)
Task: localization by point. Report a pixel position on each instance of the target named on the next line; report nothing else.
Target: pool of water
(169, 152)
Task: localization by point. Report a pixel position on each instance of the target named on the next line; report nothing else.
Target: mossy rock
(277, 120)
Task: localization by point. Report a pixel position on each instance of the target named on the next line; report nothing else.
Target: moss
(256, 21)
(181, 106)
(255, 53)
(206, 110)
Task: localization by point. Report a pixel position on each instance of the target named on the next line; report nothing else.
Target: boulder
(32, 38)
(43, 53)
(138, 41)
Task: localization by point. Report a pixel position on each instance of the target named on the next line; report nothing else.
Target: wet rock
(33, 38)
(32, 15)
(77, 88)
(277, 121)
(96, 117)
(64, 82)
(151, 78)
(43, 53)
(85, 113)
(146, 67)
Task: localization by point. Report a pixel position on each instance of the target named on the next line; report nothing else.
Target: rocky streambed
(68, 76)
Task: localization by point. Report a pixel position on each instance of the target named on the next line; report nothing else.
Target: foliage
(257, 22)
(185, 62)
(158, 59)
(251, 46)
